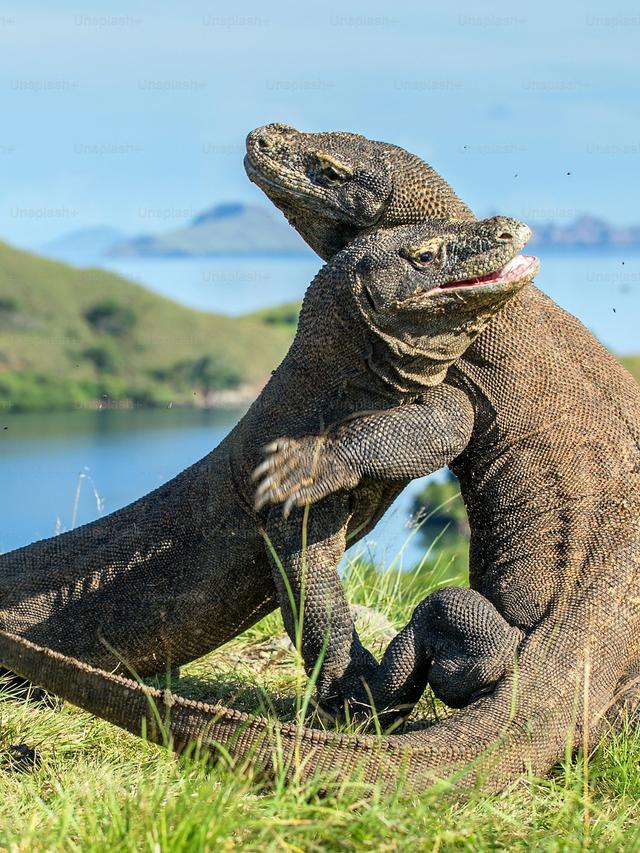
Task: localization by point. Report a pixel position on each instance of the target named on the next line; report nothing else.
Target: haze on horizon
(133, 115)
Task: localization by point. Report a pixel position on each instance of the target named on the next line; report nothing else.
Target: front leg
(305, 555)
(394, 444)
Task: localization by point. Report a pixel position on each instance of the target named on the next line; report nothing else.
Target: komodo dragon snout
(327, 170)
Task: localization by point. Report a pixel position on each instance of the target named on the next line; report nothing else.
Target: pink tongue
(515, 265)
(471, 282)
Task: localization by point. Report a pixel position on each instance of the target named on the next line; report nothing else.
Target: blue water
(63, 469)
(116, 456)
(229, 285)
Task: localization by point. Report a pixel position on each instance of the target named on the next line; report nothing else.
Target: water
(123, 454)
(67, 468)
(228, 285)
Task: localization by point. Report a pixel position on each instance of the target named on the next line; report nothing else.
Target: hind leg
(457, 642)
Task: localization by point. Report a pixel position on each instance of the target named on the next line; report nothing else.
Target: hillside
(632, 363)
(70, 336)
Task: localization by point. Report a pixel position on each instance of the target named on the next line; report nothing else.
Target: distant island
(225, 229)
(585, 232)
(84, 245)
(244, 229)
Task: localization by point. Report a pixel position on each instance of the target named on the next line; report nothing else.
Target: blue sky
(133, 114)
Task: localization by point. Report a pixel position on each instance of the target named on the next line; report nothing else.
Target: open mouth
(516, 269)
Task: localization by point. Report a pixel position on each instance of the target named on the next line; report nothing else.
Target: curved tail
(493, 741)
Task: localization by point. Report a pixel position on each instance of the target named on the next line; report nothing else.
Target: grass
(632, 363)
(69, 336)
(97, 788)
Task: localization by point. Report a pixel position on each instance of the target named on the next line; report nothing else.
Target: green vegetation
(441, 518)
(440, 510)
(97, 788)
(8, 308)
(70, 337)
(109, 318)
(632, 363)
(205, 374)
(280, 315)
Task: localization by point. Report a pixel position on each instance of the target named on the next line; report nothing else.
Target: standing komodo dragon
(149, 584)
(526, 484)
(382, 296)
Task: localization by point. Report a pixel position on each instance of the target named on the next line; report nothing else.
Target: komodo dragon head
(428, 290)
(333, 186)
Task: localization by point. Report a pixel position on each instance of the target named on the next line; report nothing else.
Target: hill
(632, 363)
(585, 232)
(226, 229)
(70, 337)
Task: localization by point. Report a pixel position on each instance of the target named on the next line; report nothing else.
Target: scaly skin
(385, 297)
(333, 187)
(186, 568)
(522, 490)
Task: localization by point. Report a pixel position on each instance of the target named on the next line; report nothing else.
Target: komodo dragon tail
(491, 742)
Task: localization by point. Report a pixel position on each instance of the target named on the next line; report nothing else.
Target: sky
(133, 114)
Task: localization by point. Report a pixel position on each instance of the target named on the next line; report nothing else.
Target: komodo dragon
(520, 481)
(385, 297)
(147, 584)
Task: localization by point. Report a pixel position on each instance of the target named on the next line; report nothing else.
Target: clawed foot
(469, 644)
(298, 471)
(456, 642)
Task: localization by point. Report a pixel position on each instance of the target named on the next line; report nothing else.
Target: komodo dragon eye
(328, 170)
(429, 252)
(332, 173)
